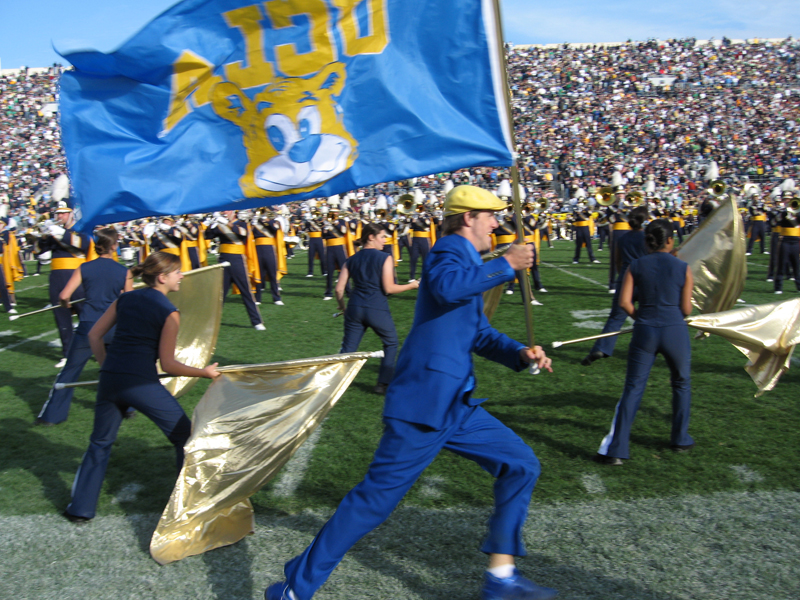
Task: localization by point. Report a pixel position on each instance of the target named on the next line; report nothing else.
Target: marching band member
(773, 220)
(421, 230)
(269, 250)
(69, 250)
(316, 247)
(664, 286)
(580, 226)
(757, 225)
(334, 235)
(7, 267)
(147, 326)
(192, 238)
(371, 272)
(103, 280)
(789, 249)
(232, 235)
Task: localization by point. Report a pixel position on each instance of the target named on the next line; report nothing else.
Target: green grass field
(718, 522)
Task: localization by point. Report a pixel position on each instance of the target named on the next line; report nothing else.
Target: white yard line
(30, 339)
(593, 483)
(293, 472)
(578, 275)
(746, 474)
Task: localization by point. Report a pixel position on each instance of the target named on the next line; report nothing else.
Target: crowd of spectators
(655, 110)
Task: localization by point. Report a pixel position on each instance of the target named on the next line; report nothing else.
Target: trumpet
(606, 196)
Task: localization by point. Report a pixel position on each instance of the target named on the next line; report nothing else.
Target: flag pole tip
(557, 344)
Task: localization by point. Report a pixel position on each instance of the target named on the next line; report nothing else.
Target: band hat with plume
(464, 198)
(63, 207)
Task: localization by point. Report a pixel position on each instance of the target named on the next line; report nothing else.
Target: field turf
(720, 521)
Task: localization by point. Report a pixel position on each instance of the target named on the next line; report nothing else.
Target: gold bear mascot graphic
(293, 132)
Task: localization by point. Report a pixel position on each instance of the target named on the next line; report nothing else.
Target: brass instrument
(405, 204)
(718, 188)
(633, 199)
(381, 213)
(606, 196)
(793, 207)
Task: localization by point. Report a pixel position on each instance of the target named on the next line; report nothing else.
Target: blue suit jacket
(434, 375)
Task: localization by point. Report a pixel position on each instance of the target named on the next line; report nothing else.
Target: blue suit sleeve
(452, 282)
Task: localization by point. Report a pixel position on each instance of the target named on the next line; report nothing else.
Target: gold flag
(765, 334)
(716, 254)
(491, 298)
(248, 424)
(200, 303)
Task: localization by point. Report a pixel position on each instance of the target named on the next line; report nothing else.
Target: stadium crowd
(653, 110)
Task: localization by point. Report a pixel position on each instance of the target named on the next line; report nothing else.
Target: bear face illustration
(293, 132)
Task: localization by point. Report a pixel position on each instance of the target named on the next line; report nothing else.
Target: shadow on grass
(25, 447)
(435, 555)
(32, 391)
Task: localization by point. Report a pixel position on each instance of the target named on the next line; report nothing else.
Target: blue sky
(29, 28)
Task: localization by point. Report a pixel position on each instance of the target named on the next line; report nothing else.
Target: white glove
(221, 220)
(164, 227)
(56, 231)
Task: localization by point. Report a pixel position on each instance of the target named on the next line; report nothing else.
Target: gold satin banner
(247, 425)
(200, 303)
(765, 334)
(716, 254)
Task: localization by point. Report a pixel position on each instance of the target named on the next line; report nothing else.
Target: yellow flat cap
(464, 198)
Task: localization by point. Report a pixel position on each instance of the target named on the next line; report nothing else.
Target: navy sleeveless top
(630, 247)
(103, 280)
(659, 278)
(141, 315)
(366, 270)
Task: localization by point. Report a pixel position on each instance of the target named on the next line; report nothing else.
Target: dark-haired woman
(627, 247)
(103, 280)
(371, 272)
(663, 283)
(146, 330)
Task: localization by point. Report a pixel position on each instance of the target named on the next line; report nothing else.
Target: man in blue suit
(429, 406)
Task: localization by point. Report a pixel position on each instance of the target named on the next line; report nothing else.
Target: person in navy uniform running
(627, 248)
(664, 284)
(429, 407)
(147, 326)
(371, 273)
(103, 280)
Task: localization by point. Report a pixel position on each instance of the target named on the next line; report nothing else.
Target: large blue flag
(220, 104)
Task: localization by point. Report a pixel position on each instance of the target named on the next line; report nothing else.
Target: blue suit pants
(56, 409)
(789, 261)
(582, 237)
(757, 232)
(405, 450)
(115, 394)
(268, 264)
(356, 321)
(673, 342)
(335, 257)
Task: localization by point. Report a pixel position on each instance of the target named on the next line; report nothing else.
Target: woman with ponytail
(146, 330)
(663, 284)
(103, 280)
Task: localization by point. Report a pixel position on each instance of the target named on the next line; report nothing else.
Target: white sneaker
(278, 303)
(599, 249)
(574, 262)
(535, 302)
(509, 292)
(260, 327)
(309, 275)
(36, 274)
(747, 253)
(740, 301)
(778, 292)
(544, 291)
(612, 291)
(399, 260)
(595, 261)
(765, 253)
(328, 298)
(258, 303)
(13, 311)
(770, 280)
(60, 364)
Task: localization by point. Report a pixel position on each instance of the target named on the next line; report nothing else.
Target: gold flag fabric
(248, 424)
(716, 254)
(765, 334)
(200, 303)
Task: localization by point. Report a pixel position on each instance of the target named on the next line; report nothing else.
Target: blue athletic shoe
(515, 587)
(277, 591)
